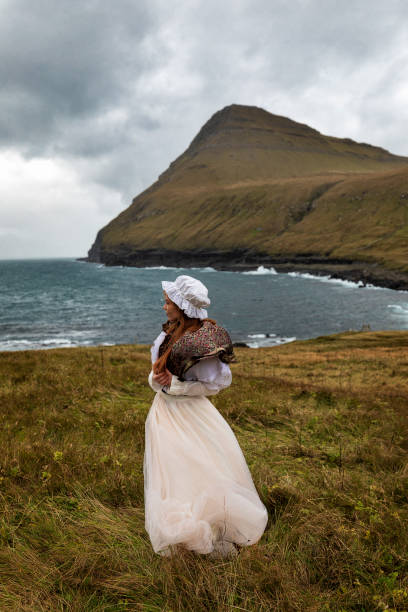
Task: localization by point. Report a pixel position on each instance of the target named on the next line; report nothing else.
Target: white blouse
(207, 377)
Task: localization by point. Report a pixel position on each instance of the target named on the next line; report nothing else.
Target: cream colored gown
(198, 489)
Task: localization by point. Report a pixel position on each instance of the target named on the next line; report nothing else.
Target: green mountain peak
(253, 186)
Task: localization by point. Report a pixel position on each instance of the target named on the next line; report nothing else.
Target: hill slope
(253, 187)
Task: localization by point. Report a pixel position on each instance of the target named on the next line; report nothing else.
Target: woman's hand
(163, 378)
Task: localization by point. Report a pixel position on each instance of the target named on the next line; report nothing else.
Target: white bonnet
(189, 294)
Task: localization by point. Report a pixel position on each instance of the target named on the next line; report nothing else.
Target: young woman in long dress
(199, 493)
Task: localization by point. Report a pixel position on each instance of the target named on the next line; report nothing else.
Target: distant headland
(254, 189)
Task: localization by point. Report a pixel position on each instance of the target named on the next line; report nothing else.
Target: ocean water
(64, 303)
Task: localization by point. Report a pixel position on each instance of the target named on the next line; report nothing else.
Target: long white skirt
(198, 489)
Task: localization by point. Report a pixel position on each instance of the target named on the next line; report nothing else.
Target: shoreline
(242, 260)
(252, 343)
(236, 344)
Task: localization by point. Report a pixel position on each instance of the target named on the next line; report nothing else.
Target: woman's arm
(156, 386)
(177, 387)
(207, 377)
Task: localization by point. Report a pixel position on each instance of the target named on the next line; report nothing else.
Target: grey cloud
(291, 44)
(119, 89)
(64, 62)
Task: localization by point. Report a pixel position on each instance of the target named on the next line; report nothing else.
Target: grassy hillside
(242, 143)
(363, 218)
(322, 423)
(252, 180)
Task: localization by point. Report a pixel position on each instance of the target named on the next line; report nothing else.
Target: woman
(198, 490)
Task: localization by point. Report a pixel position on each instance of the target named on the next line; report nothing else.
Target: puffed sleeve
(207, 377)
(154, 352)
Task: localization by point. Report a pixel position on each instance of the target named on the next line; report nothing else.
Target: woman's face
(170, 307)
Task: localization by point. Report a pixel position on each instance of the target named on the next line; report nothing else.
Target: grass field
(323, 425)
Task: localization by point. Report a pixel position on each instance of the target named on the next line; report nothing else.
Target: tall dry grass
(322, 423)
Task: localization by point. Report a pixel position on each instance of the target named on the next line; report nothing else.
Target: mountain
(256, 188)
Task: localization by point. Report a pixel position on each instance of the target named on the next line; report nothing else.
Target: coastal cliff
(255, 188)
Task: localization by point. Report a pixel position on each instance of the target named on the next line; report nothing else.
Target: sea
(49, 303)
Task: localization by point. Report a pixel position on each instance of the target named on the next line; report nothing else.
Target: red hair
(176, 329)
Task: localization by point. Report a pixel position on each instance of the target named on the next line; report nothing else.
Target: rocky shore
(245, 260)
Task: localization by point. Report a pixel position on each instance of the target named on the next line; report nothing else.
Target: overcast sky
(97, 97)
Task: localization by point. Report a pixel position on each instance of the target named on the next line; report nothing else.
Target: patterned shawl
(208, 341)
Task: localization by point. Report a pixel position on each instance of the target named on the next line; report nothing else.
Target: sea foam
(399, 309)
(261, 270)
(327, 279)
(263, 340)
(160, 268)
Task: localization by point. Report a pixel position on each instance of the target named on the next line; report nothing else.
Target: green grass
(323, 425)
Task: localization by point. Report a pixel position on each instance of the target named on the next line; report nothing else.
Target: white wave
(375, 288)
(345, 283)
(256, 335)
(327, 279)
(399, 309)
(16, 345)
(261, 270)
(7, 343)
(206, 269)
(271, 341)
(160, 268)
(303, 275)
(47, 343)
(57, 341)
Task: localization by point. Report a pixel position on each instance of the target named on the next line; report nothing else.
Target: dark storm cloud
(65, 62)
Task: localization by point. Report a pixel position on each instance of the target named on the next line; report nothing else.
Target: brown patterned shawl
(208, 341)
